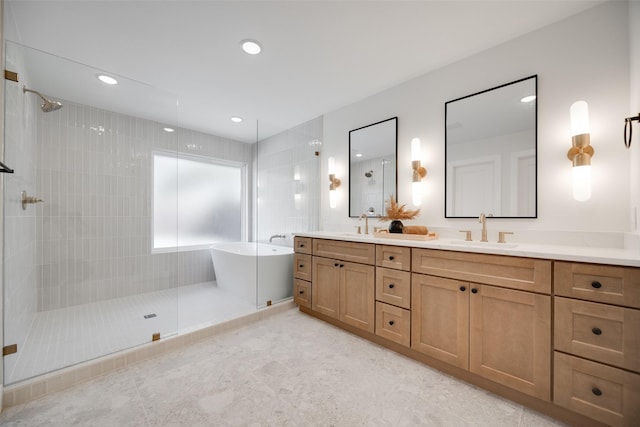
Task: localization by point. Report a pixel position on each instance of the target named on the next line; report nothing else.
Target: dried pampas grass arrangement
(398, 212)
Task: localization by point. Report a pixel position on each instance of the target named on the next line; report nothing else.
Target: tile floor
(288, 370)
(64, 337)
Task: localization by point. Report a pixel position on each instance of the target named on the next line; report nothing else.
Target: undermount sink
(484, 244)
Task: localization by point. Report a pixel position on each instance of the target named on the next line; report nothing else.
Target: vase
(395, 226)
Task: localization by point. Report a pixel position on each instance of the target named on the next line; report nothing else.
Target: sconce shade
(579, 112)
(582, 183)
(334, 182)
(331, 166)
(415, 149)
(581, 150)
(419, 172)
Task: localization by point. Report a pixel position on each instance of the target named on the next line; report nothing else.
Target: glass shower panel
(81, 279)
(288, 194)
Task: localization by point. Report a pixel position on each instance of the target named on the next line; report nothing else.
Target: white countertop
(596, 255)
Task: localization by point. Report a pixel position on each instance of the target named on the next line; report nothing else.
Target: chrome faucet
(483, 220)
(366, 222)
(277, 236)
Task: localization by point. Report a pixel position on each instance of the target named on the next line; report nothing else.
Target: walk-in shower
(86, 270)
(47, 104)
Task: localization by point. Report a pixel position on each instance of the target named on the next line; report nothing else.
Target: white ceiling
(317, 55)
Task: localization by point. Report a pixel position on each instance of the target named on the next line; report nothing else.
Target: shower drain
(149, 316)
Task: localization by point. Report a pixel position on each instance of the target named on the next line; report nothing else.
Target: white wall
(634, 110)
(583, 57)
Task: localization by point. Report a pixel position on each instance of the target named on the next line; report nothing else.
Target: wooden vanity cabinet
(488, 320)
(302, 271)
(597, 341)
(342, 289)
(501, 334)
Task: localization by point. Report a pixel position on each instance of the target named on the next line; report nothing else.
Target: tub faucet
(366, 222)
(277, 236)
(483, 220)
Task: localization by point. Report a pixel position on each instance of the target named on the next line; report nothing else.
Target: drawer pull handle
(596, 285)
(596, 331)
(463, 288)
(596, 391)
(391, 258)
(391, 323)
(391, 286)
(474, 290)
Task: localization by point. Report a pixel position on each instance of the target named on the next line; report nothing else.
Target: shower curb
(62, 379)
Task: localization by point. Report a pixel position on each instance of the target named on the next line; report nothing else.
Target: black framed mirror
(372, 167)
(491, 152)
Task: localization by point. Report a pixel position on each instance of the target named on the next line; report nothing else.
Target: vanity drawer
(364, 253)
(397, 257)
(302, 266)
(600, 283)
(302, 245)
(393, 323)
(601, 332)
(393, 287)
(526, 274)
(302, 293)
(601, 392)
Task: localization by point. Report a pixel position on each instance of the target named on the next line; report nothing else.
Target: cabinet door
(440, 318)
(357, 290)
(325, 288)
(510, 338)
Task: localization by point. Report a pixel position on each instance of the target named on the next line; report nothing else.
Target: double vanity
(553, 328)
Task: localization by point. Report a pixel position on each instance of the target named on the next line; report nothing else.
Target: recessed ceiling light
(236, 119)
(358, 154)
(528, 98)
(168, 129)
(107, 79)
(251, 47)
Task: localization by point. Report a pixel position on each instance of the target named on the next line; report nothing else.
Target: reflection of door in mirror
(490, 152)
(372, 167)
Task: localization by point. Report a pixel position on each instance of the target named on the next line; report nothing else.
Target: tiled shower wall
(93, 231)
(288, 187)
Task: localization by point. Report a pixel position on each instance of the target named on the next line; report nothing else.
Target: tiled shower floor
(64, 337)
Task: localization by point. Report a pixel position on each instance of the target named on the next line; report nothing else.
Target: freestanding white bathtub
(255, 272)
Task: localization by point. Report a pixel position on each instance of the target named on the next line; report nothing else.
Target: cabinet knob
(596, 285)
(302, 245)
(301, 266)
(463, 288)
(341, 265)
(596, 391)
(336, 264)
(391, 286)
(391, 258)
(474, 290)
(596, 331)
(391, 322)
(301, 292)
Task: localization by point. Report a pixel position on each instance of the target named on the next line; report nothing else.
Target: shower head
(47, 105)
(368, 174)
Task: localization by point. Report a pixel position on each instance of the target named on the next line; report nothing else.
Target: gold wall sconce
(419, 172)
(334, 183)
(581, 151)
(628, 125)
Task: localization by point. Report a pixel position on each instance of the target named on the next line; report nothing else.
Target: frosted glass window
(196, 201)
